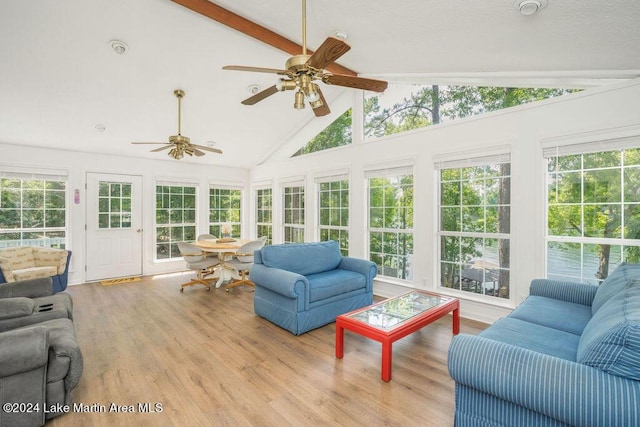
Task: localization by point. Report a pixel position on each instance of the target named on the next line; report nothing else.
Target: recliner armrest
(32, 288)
(11, 308)
(23, 350)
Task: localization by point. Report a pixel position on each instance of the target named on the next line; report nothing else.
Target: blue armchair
(304, 286)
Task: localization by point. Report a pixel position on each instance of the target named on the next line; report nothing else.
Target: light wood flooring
(208, 360)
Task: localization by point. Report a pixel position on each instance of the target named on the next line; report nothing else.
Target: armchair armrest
(23, 350)
(11, 308)
(570, 392)
(287, 283)
(363, 266)
(575, 292)
(32, 288)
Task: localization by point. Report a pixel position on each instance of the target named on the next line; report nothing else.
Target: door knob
(139, 230)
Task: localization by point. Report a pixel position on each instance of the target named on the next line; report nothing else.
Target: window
(593, 210)
(333, 207)
(264, 214)
(114, 205)
(474, 225)
(336, 134)
(175, 218)
(33, 210)
(404, 107)
(293, 225)
(225, 208)
(390, 225)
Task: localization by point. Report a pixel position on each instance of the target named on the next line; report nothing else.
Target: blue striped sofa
(568, 355)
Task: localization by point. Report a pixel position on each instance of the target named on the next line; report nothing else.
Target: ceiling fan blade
(202, 147)
(260, 95)
(256, 69)
(328, 52)
(355, 82)
(323, 109)
(196, 151)
(162, 148)
(148, 142)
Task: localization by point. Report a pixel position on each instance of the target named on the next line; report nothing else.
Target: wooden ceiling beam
(250, 28)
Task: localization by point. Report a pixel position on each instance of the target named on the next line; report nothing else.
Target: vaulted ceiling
(59, 77)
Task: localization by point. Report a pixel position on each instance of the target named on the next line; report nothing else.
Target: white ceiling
(59, 78)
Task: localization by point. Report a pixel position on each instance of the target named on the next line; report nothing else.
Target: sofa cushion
(47, 257)
(334, 282)
(303, 258)
(556, 314)
(614, 284)
(541, 339)
(34, 272)
(611, 340)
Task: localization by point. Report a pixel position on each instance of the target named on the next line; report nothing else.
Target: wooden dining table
(225, 248)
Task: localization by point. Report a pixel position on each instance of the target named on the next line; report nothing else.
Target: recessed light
(529, 7)
(341, 35)
(118, 46)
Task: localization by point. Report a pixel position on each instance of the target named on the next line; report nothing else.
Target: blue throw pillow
(614, 284)
(611, 339)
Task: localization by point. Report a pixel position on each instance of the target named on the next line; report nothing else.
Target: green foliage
(336, 134)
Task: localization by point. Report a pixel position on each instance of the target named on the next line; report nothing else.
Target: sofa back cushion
(611, 339)
(303, 258)
(614, 284)
(50, 257)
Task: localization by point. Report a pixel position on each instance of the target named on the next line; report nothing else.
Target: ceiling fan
(180, 144)
(302, 70)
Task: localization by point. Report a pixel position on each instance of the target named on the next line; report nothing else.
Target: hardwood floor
(206, 359)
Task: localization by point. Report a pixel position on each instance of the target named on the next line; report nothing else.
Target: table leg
(456, 321)
(339, 341)
(386, 360)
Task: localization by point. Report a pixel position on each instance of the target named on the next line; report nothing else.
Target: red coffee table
(395, 318)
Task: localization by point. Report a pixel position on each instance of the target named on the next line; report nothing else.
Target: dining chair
(197, 260)
(243, 260)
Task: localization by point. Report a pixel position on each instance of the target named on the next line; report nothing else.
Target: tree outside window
(175, 218)
(390, 227)
(293, 224)
(474, 231)
(264, 214)
(33, 212)
(333, 216)
(225, 208)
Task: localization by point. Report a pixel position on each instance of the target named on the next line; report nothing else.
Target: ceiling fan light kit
(179, 144)
(302, 70)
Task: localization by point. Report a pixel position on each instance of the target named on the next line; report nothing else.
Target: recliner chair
(40, 361)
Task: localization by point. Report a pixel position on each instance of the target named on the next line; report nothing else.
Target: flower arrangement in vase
(226, 230)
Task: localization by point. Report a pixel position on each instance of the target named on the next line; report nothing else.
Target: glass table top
(392, 312)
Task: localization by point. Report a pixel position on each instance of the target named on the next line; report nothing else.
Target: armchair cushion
(614, 284)
(308, 259)
(331, 283)
(34, 272)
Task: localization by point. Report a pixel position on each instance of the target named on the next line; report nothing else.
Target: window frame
(341, 230)
(258, 208)
(395, 172)
(296, 228)
(156, 226)
(215, 227)
(491, 157)
(59, 177)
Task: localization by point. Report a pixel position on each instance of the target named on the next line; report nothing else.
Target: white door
(114, 226)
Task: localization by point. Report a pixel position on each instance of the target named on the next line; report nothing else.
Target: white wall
(78, 164)
(600, 113)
